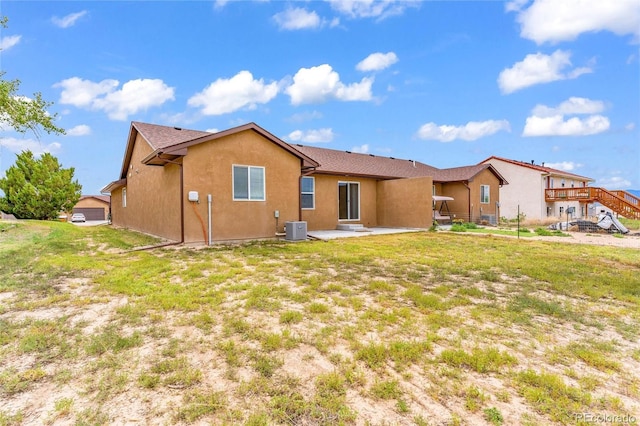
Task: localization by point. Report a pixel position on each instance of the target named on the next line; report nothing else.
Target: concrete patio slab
(335, 233)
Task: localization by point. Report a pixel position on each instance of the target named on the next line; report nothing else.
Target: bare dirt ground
(609, 240)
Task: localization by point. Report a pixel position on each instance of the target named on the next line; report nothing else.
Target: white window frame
(249, 195)
(485, 192)
(349, 183)
(124, 197)
(312, 193)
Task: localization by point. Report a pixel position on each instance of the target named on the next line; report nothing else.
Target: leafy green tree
(38, 188)
(24, 114)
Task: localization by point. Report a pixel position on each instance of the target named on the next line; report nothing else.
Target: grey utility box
(295, 231)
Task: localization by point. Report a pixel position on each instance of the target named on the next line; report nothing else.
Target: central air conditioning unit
(295, 231)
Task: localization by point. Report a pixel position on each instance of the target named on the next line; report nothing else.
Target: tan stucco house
(94, 207)
(527, 187)
(257, 182)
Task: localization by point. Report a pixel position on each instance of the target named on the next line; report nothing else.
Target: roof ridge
(537, 167)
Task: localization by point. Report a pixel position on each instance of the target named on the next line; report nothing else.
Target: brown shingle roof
(539, 168)
(104, 198)
(350, 163)
(465, 173)
(164, 136)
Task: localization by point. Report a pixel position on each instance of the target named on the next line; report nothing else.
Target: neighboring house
(257, 182)
(94, 207)
(526, 190)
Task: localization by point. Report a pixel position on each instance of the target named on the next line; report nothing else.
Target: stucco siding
(525, 189)
(459, 207)
(208, 170)
(480, 209)
(326, 214)
(405, 202)
(153, 197)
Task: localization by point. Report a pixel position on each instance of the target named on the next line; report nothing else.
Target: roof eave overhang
(160, 158)
(113, 185)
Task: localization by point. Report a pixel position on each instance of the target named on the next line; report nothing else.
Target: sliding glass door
(348, 201)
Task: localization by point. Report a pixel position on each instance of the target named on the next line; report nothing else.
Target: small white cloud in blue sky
(471, 131)
(372, 9)
(18, 145)
(68, 20)
(567, 166)
(227, 95)
(298, 19)
(7, 42)
(551, 121)
(539, 68)
(615, 181)
(320, 84)
(79, 130)
(554, 21)
(377, 61)
(312, 136)
(134, 96)
(361, 149)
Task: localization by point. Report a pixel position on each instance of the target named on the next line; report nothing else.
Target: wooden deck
(621, 202)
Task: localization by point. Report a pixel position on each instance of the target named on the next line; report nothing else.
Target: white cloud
(228, 95)
(469, 132)
(297, 19)
(571, 106)
(80, 130)
(379, 9)
(69, 20)
(8, 42)
(567, 166)
(630, 126)
(362, 149)
(35, 146)
(82, 93)
(322, 83)
(613, 182)
(550, 121)
(312, 136)
(212, 130)
(557, 126)
(377, 61)
(515, 5)
(134, 96)
(555, 21)
(537, 69)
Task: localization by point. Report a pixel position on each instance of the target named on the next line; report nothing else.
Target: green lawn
(418, 328)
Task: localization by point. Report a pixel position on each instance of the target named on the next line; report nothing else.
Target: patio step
(353, 227)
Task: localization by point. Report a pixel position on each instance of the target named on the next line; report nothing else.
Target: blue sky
(448, 83)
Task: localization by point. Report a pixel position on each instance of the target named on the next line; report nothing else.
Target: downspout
(468, 199)
(181, 204)
(209, 200)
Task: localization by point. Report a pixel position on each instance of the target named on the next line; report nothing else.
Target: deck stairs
(621, 202)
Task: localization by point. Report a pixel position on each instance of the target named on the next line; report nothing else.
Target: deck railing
(621, 205)
(628, 196)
